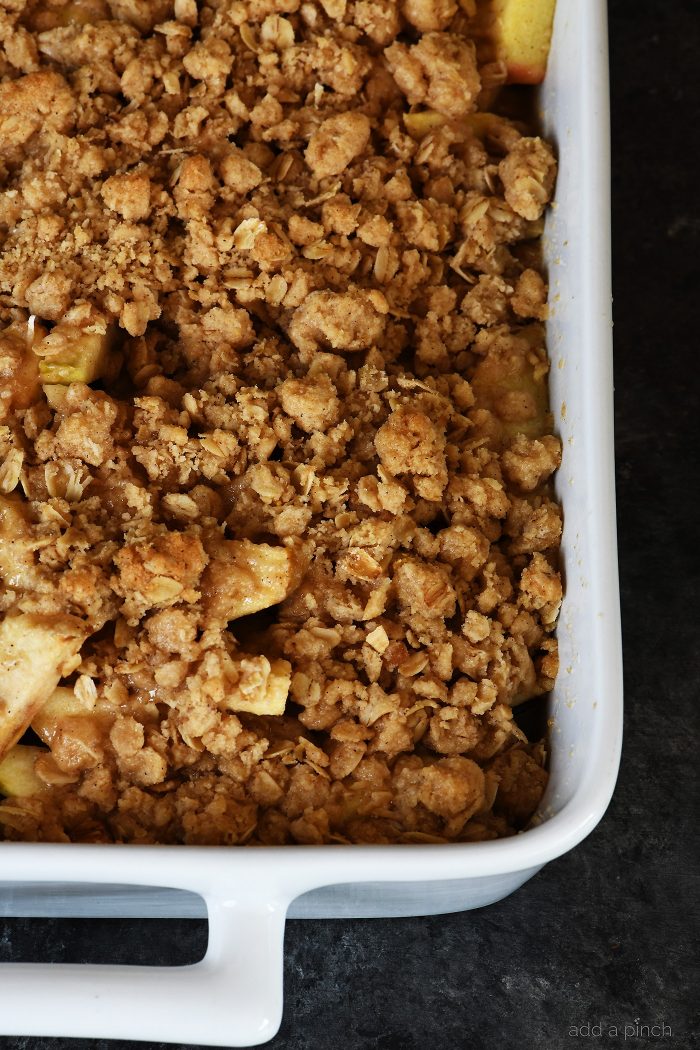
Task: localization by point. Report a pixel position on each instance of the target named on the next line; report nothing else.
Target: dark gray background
(605, 934)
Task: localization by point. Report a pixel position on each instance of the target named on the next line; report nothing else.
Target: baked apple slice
(17, 776)
(244, 577)
(517, 33)
(36, 651)
(511, 383)
(19, 372)
(75, 353)
(270, 698)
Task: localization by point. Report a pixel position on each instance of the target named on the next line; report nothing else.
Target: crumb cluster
(304, 515)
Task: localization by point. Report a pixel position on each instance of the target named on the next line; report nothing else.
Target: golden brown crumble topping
(277, 537)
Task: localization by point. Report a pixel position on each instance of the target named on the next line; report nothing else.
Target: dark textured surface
(606, 933)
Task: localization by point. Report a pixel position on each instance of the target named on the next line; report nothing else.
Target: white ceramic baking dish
(234, 995)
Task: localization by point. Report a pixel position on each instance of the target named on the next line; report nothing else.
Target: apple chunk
(71, 354)
(75, 729)
(244, 577)
(36, 651)
(17, 559)
(18, 368)
(420, 124)
(511, 383)
(520, 31)
(17, 776)
(59, 713)
(46, 17)
(270, 698)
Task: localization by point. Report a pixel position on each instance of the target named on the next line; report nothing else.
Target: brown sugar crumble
(275, 449)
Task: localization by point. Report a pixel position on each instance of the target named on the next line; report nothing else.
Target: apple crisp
(278, 538)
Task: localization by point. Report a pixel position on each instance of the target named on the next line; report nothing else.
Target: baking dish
(234, 996)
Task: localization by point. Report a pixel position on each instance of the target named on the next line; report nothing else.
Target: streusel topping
(275, 453)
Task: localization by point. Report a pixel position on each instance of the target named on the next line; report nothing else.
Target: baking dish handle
(233, 997)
